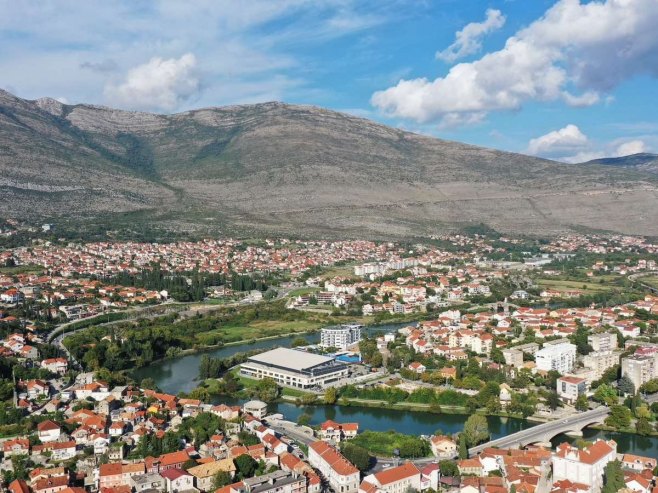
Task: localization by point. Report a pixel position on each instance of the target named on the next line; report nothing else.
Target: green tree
(221, 479)
(267, 390)
(476, 429)
(356, 455)
(330, 395)
(463, 448)
(299, 341)
(448, 468)
(626, 386)
(553, 400)
(613, 477)
(581, 403)
(643, 427)
(605, 394)
(245, 466)
(620, 417)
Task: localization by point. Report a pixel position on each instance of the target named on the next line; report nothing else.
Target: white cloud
(469, 39)
(632, 147)
(559, 142)
(572, 53)
(571, 145)
(159, 84)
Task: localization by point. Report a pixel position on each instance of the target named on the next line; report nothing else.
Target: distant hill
(643, 161)
(275, 168)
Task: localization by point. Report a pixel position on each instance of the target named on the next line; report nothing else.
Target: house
(177, 480)
(147, 482)
(29, 352)
(638, 463)
(204, 474)
(50, 484)
(18, 486)
(335, 432)
(173, 460)
(340, 473)
(570, 387)
(470, 467)
(417, 367)
(55, 365)
(399, 479)
(37, 388)
(48, 431)
(16, 446)
(443, 447)
(60, 450)
(583, 465)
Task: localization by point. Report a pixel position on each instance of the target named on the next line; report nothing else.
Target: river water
(180, 374)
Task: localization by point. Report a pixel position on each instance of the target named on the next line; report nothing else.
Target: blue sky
(568, 79)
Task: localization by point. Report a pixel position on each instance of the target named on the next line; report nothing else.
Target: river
(179, 374)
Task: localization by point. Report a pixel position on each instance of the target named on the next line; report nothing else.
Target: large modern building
(293, 368)
(639, 368)
(340, 336)
(560, 357)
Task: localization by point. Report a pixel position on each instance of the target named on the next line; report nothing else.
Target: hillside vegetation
(274, 168)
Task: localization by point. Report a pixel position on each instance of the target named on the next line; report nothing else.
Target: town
(559, 339)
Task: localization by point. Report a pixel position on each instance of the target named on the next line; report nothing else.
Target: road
(545, 431)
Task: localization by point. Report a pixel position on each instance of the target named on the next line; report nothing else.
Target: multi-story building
(340, 336)
(639, 368)
(560, 357)
(399, 479)
(341, 474)
(275, 482)
(513, 357)
(600, 361)
(603, 341)
(583, 465)
(570, 387)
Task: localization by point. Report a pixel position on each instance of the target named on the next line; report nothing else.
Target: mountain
(642, 161)
(275, 168)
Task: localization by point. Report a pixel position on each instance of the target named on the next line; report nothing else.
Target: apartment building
(600, 361)
(340, 473)
(340, 336)
(399, 479)
(583, 465)
(639, 368)
(603, 341)
(570, 387)
(560, 357)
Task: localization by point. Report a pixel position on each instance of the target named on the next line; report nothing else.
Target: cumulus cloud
(558, 142)
(158, 85)
(571, 145)
(573, 53)
(632, 147)
(469, 39)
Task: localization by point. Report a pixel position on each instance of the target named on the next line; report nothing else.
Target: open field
(21, 269)
(258, 329)
(650, 280)
(302, 291)
(382, 444)
(588, 286)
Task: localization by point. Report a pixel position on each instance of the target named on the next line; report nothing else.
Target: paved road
(537, 433)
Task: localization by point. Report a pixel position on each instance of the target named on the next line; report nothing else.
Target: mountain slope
(642, 161)
(281, 169)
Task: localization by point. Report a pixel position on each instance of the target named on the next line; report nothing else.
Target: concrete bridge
(544, 432)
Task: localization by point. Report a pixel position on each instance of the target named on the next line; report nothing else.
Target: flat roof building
(340, 336)
(292, 368)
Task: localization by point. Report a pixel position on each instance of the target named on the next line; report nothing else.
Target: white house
(583, 465)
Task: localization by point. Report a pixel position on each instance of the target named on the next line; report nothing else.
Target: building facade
(340, 336)
(558, 357)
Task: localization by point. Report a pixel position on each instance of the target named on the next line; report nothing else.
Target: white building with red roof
(583, 465)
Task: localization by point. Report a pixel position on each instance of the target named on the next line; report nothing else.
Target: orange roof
(396, 474)
(174, 458)
(335, 460)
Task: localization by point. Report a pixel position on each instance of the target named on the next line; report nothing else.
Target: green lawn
(256, 330)
(589, 286)
(382, 443)
(650, 280)
(21, 269)
(302, 291)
